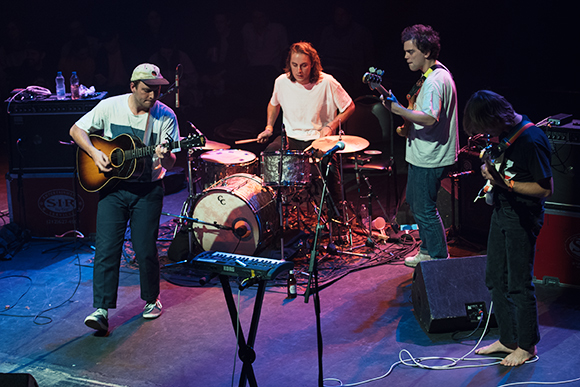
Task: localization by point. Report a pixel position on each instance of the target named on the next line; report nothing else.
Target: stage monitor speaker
(17, 380)
(38, 135)
(448, 292)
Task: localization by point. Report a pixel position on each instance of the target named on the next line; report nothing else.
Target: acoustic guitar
(126, 154)
(374, 78)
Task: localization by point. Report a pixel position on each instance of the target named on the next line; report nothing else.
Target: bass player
(431, 129)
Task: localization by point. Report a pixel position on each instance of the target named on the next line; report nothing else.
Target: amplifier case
(38, 133)
(51, 204)
(558, 249)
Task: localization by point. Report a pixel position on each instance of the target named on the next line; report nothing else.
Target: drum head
(230, 203)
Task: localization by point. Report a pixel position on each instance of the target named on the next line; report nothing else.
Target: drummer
(314, 105)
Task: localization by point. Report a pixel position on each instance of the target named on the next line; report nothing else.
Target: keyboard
(240, 265)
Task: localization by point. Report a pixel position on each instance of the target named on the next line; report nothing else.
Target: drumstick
(246, 141)
(307, 149)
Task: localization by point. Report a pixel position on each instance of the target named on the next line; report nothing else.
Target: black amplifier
(569, 133)
(565, 140)
(38, 133)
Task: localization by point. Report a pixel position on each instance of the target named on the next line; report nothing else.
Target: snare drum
(295, 168)
(241, 203)
(218, 164)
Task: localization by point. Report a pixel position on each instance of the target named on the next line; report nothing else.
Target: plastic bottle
(60, 87)
(364, 214)
(74, 86)
(291, 284)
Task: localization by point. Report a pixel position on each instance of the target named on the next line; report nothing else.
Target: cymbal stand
(187, 207)
(346, 220)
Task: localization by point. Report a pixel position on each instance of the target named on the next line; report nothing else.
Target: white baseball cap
(148, 73)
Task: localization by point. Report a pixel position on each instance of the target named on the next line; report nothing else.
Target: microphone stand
(177, 105)
(313, 273)
(193, 220)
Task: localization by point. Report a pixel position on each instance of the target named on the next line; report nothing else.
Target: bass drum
(245, 208)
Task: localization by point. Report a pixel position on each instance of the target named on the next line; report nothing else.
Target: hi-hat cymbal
(352, 143)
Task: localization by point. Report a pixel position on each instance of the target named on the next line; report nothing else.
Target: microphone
(177, 86)
(339, 146)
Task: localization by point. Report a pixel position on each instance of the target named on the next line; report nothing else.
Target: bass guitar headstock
(373, 77)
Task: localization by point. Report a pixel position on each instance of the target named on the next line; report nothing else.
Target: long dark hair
(306, 49)
(486, 109)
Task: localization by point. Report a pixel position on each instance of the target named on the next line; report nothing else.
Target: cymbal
(211, 145)
(352, 143)
(214, 145)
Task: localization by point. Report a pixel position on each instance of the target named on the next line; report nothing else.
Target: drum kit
(239, 208)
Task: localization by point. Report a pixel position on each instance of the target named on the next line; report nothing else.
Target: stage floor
(366, 323)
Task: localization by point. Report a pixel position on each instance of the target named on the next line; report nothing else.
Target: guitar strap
(496, 150)
(417, 87)
(147, 134)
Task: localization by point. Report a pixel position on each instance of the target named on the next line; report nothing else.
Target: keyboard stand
(246, 351)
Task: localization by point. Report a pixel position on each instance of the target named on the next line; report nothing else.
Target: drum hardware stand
(326, 194)
(346, 220)
(369, 242)
(191, 199)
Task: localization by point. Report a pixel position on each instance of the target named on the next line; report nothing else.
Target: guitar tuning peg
(372, 70)
(380, 72)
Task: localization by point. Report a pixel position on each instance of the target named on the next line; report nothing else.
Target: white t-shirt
(436, 145)
(114, 117)
(308, 108)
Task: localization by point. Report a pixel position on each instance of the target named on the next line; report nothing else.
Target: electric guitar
(493, 161)
(373, 78)
(126, 155)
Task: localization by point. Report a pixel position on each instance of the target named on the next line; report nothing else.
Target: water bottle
(291, 284)
(364, 214)
(74, 86)
(60, 87)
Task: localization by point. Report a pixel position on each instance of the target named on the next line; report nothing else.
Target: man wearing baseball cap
(137, 199)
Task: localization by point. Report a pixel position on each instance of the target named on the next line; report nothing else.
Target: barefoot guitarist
(137, 199)
(519, 191)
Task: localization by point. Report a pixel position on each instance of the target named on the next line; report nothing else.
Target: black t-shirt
(526, 160)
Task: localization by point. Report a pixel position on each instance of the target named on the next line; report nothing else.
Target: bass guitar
(126, 154)
(374, 78)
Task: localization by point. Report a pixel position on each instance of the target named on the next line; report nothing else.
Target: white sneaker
(419, 257)
(152, 310)
(98, 320)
